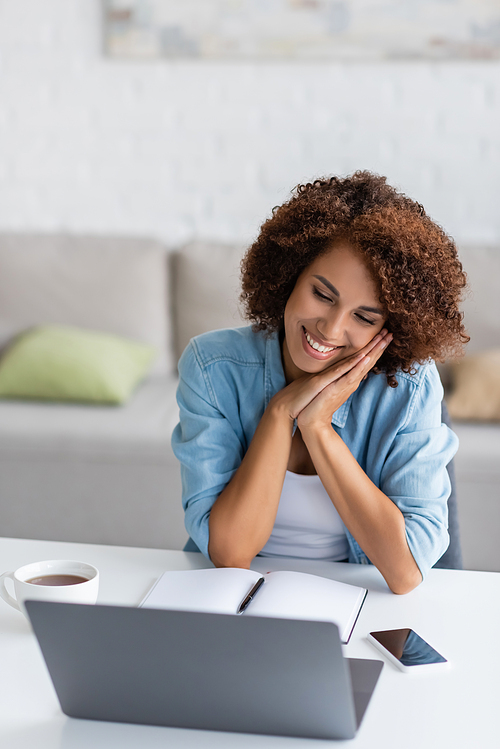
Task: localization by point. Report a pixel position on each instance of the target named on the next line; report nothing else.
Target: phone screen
(408, 647)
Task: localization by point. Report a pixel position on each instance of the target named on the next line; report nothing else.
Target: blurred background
(184, 147)
(182, 131)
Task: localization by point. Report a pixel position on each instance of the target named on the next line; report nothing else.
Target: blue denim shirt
(228, 377)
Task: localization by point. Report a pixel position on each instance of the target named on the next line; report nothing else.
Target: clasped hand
(313, 399)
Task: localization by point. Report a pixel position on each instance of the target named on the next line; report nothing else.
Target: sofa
(99, 473)
(478, 459)
(107, 474)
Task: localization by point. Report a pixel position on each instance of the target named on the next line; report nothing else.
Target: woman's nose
(333, 328)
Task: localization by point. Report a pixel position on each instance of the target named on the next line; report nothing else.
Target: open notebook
(285, 595)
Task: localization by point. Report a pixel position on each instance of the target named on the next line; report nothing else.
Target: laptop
(207, 671)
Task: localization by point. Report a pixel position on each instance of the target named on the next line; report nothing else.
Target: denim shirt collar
(275, 379)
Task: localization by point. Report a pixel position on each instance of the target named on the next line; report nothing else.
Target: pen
(251, 594)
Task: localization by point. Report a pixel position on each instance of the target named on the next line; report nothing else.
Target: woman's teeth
(317, 347)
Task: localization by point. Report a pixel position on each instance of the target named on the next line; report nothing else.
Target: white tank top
(307, 524)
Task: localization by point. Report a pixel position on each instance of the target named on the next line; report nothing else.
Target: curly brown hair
(413, 262)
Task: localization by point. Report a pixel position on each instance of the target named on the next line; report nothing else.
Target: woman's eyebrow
(326, 282)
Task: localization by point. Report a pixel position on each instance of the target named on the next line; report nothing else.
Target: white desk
(457, 708)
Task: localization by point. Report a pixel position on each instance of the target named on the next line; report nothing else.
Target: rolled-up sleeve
(206, 445)
(414, 473)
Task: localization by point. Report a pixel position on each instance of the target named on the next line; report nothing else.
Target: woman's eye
(318, 293)
(366, 320)
(326, 298)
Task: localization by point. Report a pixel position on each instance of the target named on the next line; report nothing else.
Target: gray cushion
(110, 284)
(482, 307)
(206, 287)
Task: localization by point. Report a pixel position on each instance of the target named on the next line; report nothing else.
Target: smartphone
(407, 650)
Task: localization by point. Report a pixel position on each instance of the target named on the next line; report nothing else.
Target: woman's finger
(367, 362)
(375, 341)
(368, 355)
(352, 369)
(339, 369)
(379, 347)
(366, 349)
(344, 365)
(335, 391)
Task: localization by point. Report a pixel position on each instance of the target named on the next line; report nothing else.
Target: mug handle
(4, 593)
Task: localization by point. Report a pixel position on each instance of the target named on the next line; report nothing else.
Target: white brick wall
(185, 149)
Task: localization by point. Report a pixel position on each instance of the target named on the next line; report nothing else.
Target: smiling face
(332, 312)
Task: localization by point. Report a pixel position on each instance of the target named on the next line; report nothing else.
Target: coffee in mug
(63, 580)
(57, 580)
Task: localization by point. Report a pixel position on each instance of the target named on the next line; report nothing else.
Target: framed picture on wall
(302, 29)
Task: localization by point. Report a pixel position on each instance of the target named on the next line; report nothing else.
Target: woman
(317, 432)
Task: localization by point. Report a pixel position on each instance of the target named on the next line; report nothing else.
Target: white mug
(42, 581)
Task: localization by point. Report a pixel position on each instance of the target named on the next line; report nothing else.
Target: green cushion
(61, 363)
